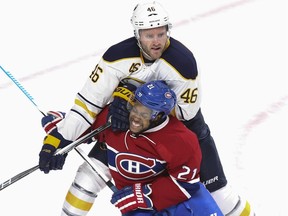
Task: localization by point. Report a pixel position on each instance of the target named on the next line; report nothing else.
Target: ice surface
(241, 49)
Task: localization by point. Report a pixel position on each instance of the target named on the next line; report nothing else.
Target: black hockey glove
(118, 108)
(52, 141)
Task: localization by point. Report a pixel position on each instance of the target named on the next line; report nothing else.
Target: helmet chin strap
(157, 121)
(145, 54)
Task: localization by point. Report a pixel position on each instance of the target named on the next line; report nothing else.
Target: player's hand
(133, 197)
(48, 161)
(52, 141)
(118, 108)
(51, 119)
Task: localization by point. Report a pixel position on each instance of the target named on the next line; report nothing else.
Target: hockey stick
(17, 177)
(21, 88)
(62, 151)
(97, 170)
(65, 150)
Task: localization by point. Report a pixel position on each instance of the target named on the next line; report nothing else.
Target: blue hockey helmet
(157, 96)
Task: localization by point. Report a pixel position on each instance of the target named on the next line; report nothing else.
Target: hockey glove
(118, 108)
(133, 197)
(51, 119)
(53, 140)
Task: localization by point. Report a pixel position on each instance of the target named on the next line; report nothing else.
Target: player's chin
(155, 54)
(135, 128)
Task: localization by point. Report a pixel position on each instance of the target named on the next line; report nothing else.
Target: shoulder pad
(181, 58)
(125, 49)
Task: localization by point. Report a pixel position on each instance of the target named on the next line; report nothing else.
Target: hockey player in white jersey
(152, 54)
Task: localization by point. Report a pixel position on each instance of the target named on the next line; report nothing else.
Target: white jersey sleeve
(90, 100)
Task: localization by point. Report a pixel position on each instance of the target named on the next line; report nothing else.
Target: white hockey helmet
(149, 15)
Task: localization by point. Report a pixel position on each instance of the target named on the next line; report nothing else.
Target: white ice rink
(241, 48)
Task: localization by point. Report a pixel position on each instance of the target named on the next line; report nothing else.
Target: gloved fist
(118, 108)
(133, 197)
(51, 119)
(52, 141)
(48, 161)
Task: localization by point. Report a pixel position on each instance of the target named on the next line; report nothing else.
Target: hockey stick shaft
(15, 81)
(96, 170)
(61, 151)
(18, 177)
(84, 138)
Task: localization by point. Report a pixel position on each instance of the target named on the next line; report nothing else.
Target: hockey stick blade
(61, 151)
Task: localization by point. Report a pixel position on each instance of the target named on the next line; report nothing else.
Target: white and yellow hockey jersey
(124, 62)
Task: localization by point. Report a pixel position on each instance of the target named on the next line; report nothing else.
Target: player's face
(153, 41)
(139, 118)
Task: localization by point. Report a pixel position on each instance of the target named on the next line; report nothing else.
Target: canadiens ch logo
(136, 167)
